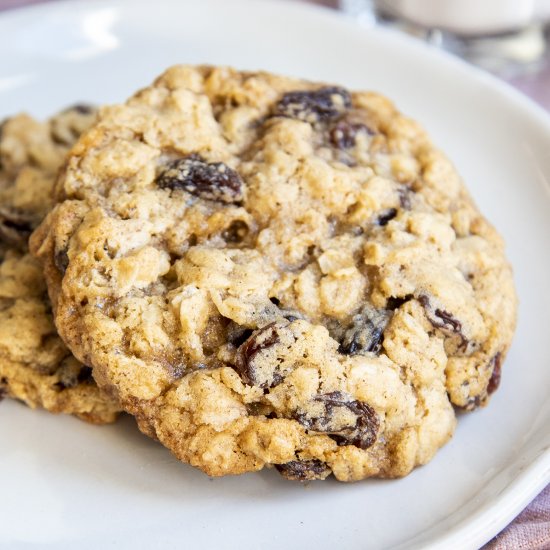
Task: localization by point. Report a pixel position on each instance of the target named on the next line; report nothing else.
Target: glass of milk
(504, 36)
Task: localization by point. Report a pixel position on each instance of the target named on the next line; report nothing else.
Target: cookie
(273, 272)
(35, 365)
(31, 153)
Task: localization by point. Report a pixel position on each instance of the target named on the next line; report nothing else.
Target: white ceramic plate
(68, 485)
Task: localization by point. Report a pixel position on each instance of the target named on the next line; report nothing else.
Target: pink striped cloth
(7, 4)
(531, 529)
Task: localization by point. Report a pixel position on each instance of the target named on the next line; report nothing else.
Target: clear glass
(510, 54)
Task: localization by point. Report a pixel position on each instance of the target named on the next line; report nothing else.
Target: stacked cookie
(267, 272)
(35, 366)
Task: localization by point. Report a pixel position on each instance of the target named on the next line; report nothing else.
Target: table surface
(531, 529)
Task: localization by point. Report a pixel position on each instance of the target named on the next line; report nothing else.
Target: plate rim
(528, 480)
(306, 6)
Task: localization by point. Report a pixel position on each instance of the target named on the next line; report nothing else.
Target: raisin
(15, 227)
(237, 334)
(494, 381)
(304, 470)
(366, 333)
(246, 364)
(344, 134)
(314, 105)
(362, 433)
(448, 321)
(444, 321)
(440, 318)
(61, 260)
(209, 180)
(236, 232)
(386, 216)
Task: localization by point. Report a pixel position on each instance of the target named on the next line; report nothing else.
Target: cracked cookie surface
(35, 365)
(268, 271)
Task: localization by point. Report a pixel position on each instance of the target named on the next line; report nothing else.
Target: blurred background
(509, 38)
